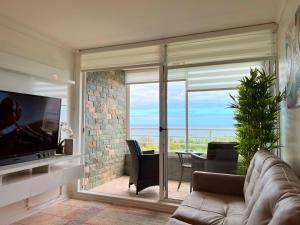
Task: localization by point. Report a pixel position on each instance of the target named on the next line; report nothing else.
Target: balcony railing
(148, 137)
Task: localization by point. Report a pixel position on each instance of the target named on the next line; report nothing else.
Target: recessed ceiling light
(55, 77)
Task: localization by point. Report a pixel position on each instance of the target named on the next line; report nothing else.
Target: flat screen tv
(29, 127)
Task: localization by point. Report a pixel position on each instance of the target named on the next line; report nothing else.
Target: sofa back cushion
(260, 164)
(272, 192)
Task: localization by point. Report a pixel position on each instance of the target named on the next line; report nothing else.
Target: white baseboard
(156, 205)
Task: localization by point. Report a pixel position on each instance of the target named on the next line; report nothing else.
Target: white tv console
(24, 180)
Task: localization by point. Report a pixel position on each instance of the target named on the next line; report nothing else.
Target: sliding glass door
(172, 96)
(120, 105)
(199, 115)
(177, 138)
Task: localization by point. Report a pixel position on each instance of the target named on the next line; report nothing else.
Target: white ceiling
(80, 24)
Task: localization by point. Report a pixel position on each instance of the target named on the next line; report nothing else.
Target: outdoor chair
(144, 171)
(185, 163)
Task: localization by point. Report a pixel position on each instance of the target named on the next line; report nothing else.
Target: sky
(206, 109)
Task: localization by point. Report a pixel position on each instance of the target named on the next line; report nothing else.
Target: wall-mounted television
(29, 127)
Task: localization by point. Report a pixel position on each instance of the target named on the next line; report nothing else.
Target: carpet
(77, 212)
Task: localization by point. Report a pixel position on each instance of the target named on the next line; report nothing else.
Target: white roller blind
(119, 58)
(152, 75)
(225, 76)
(142, 76)
(223, 48)
(177, 74)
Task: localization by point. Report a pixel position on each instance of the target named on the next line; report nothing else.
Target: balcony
(148, 138)
(120, 105)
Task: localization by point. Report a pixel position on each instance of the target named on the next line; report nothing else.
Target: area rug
(76, 212)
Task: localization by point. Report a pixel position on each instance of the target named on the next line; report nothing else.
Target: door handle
(161, 129)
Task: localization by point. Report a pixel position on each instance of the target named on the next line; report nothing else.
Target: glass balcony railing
(148, 137)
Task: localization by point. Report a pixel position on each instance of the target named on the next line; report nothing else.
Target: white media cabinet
(24, 180)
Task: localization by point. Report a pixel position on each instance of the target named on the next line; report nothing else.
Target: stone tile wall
(105, 127)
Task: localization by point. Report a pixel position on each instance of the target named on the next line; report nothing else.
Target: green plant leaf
(256, 111)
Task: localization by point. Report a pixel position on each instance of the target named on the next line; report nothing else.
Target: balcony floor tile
(119, 186)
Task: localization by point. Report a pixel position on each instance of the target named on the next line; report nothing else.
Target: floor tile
(119, 186)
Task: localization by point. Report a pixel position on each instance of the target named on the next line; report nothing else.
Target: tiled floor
(119, 186)
(76, 212)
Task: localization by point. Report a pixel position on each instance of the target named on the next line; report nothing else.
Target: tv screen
(28, 124)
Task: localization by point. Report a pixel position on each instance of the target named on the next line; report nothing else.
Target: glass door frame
(164, 114)
(163, 124)
(83, 77)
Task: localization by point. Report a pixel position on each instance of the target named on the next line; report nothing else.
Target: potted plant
(256, 111)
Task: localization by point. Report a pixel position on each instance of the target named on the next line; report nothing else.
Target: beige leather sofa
(268, 195)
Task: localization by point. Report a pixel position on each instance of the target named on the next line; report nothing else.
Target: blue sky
(206, 109)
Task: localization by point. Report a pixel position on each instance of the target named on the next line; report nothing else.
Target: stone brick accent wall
(105, 127)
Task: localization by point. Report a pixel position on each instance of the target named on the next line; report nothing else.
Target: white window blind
(142, 76)
(177, 74)
(120, 58)
(223, 48)
(225, 76)
(152, 75)
(205, 78)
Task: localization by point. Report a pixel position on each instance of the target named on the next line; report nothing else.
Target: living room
(112, 112)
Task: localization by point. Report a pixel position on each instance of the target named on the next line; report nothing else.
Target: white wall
(39, 55)
(19, 210)
(28, 62)
(290, 118)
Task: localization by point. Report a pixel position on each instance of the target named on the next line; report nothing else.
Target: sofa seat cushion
(174, 221)
(201, 208)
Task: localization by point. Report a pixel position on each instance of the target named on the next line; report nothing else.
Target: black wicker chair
(144, 171)
(221, 157)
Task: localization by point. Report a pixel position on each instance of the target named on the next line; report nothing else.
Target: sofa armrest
(218, 183)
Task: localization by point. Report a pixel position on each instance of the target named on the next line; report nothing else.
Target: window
(210, 118)
(144, 114)
(176, 115)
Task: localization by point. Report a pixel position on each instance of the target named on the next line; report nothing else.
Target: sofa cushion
(261, 162)
(272, 192)
(201, 208)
